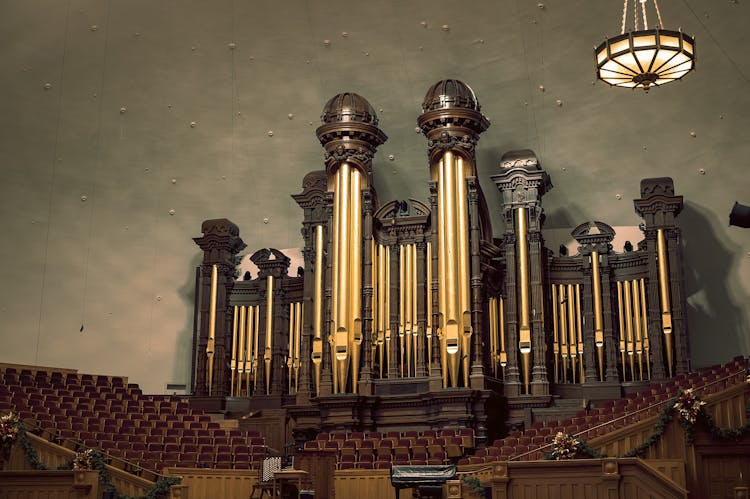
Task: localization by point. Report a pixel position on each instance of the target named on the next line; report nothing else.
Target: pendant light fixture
(645, 57)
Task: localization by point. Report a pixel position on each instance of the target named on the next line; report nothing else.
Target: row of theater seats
(607, 416)
(376, 450)
(149, 431)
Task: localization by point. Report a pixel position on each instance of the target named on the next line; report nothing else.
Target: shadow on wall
(183, 348)
(716, 322)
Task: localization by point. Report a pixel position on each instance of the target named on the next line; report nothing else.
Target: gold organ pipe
(374, 304)
(355, 266)
(463, 266)
(317, 346)
(629, 326)
(381, 304)
(501, 313)
(401, 304)
(452, 329)
(621, 317)
(428, 288)
(233, 362)
(579, 331)
(212, 326)
(492, 307)
(524, 332)
(335, 298)
(387, 303)
(598, 327)
(256, 346)
(269, 332)
(563, 330)
(290, 356)
(555, 332)
(341, 338)
(251, 335)
(666, 309)
(407, 286)
(297, 337)
(646, 346)
(442, 255)
(414, 325)
(637, 321)
(241, 349)
(572, 341)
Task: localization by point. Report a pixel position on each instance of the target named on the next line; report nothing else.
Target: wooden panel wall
(205, 483)
(49, 485)
(674, 469)
(366, 484)
(321, 467)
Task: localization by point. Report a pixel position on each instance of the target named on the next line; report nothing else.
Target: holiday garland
(691, 413)
(84, 459)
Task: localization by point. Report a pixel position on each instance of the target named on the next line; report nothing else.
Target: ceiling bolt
(618, 196)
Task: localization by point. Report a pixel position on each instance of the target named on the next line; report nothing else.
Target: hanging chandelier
(644, 57)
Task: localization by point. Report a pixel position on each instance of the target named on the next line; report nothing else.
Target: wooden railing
(16, 484)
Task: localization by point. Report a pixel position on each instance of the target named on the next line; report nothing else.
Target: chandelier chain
(635, 14)
(624, 16)
(643, 9)
(658, 14)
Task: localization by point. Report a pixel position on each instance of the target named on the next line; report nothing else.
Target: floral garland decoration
(89, 459)
(566, 446)
(8, 432)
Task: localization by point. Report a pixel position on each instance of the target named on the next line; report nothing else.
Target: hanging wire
(643, 9)
(624, 16)
(635, 15)
(658, 14)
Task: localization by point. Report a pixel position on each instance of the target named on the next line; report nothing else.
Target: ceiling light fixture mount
(644, 58)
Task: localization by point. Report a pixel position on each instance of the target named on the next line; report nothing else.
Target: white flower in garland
(84, 460)
(688, 406)
(565, 446)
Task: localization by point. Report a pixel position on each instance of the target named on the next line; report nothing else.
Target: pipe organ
(416, 299)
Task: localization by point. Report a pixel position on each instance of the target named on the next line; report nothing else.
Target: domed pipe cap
(348, 106)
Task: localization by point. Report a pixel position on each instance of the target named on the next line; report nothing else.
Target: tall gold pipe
(579, 332)
(492, 308)
(637, 320)
(452, 328)
(598, 327)
(382, 312)
(464, 273)
(646, 346)
(256, 346)
(290, 356)
(555, 333)
(387, 305)
(342, 272)
(355, 266)
(503, 353)
(572, 341)
(407, 287)
(414, 321)
(666, 309)
(317, 345)
(297, 337)
(442, 266)
(251, 329)
(233, 362)
(629, 326)
(401, 304)
(563, 330)
(241, 349)
(212, 327)
(524, 332)
(621, 316)
(269, 332)
(428, 289)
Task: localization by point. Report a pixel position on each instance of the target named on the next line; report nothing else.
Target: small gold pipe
(646, 346)
(233, 362)
(579, 331)
(524, 332)
(317, 345)
(629, 326)
(334, 364)
(621, 316)
(598, 327)
(563, 330)
(501, 314)
(572, 342)
(374, 304)
(555, 333)
(637, 320)
(666, 309)
(269, 332)
(382, 311)
(212, 326)
(428, 289)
